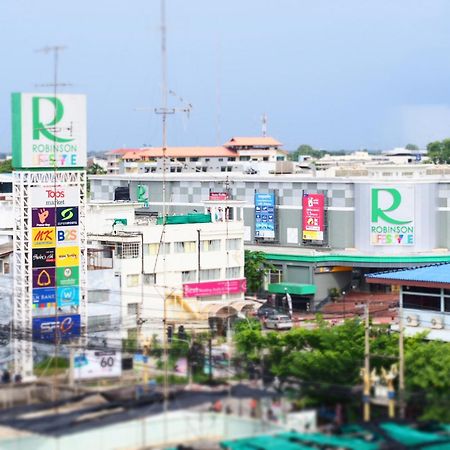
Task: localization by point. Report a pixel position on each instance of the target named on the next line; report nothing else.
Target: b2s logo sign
(67, 235)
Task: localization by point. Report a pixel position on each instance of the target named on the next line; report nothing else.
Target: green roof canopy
(292, 288)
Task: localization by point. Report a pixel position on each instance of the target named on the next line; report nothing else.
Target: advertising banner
(218, 196)
(67, 235)
(43, 237)
(42, 217)
(62, 328)
(44, 277)
(392, 216)
(48, 131)
(97, 364)
(313, 217)
(210, 288)
(43, 257)
(67, 276)
(142, 194)
(66, 216)
(68, 296)
(67, 256)
(50, 196)
(44, 296)
(264, 216)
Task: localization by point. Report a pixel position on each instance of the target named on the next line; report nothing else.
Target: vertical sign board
(48, 131)
(49, 137)
(142, 194)
(313, 206)
(265, 216)
(392, 216)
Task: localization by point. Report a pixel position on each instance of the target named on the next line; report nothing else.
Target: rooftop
(438, 274)
(259, 141)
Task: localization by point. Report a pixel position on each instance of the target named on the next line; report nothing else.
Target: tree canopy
(256, 267)
(439, 151)
(6, 166)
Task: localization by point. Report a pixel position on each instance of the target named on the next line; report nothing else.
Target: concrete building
(424, 294)
(354, 242)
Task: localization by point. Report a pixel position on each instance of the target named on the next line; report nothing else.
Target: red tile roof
(260, 141)
(187, 152)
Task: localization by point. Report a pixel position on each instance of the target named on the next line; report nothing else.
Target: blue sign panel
(265, 216)
(68, 296)
(44, 295)
(63, 328)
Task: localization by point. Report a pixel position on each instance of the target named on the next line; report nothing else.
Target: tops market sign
(392, 216)
(48, 131)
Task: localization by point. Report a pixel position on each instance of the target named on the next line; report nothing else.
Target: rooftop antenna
(264, 124)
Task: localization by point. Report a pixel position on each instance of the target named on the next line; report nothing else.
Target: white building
(193, 263)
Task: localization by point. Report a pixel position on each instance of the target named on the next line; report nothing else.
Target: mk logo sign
(43, 237)
(48, 129)
(380, 209)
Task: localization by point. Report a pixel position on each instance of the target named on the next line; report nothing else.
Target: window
(154, 249)
(184, 247)
(204, 169)
(132, 309)
(265, 158)
(209, 274)
(1, 265)
(244, 158)
(128, 250)
(220, 159)
(172, 169)
(233, 272)
(424, 302)
(195, 159)
(234, 244)
(188, 275)
(232, 159)
(132, 280)
(211, 246)
(149, 279)
(181, 159)
(99, 323)
(100, 296)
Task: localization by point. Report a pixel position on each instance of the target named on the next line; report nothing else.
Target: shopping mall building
(318, 232)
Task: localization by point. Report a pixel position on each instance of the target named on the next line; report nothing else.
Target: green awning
(292, 288)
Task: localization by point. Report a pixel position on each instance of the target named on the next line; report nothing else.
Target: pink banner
(209, 288)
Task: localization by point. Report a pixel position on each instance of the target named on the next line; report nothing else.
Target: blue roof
(438, 273)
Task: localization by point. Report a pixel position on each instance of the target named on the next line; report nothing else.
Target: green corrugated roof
(410, 436)
(292, 288)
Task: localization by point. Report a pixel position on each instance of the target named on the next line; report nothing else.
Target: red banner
(210, 288)
(218, 196)
(313, 217)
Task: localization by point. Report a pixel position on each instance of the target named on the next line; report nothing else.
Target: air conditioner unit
(437, 323)
(412, 320)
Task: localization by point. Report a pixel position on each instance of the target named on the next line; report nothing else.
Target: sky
(346, 74)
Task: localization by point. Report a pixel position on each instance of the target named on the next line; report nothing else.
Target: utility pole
(366, 371)
(401, 355)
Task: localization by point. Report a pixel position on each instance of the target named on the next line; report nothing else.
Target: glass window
(184, 247)
(211, 245)
(100, 296)
(188, 275)
(234, 244)
(128, 250)
(233, 272)
(423, 302)
(422, 290)
(150, 279)
(132, 280)
(157, 248)
(132, 309)
(209, 274)
(447, 305)
(99, 323)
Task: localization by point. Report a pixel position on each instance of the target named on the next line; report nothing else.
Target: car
(279, 322)
(265, 311)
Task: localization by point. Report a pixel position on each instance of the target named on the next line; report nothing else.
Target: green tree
(256, 267)
(6, 166)
(306, 150)
(439, 151)
(95, 169)
(412, 147)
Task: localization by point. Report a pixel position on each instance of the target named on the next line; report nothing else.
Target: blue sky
(333, 74)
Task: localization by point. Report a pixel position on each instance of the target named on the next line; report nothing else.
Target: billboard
(48, 131)
(210, 288)
(264, 216)
(313, 217)
(97, 364)
(142, 194)
(218, 196)
(392, 216)
(63, 328)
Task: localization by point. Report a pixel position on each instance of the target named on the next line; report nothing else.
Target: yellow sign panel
(43, 237)
(312, 235)
(67, 256)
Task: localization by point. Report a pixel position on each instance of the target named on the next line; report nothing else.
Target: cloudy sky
(333, 74)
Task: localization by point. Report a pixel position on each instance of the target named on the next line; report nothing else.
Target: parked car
(265, 311)
(279, 322)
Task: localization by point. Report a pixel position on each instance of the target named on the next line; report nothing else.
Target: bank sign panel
(48, 131)
(392, 216)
